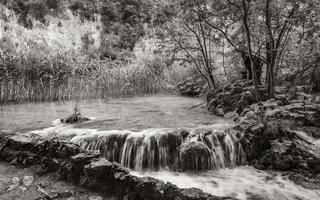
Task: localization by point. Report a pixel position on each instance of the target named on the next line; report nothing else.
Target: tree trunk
(223, 61)
(257, 65)
(270, 79)
(271, 52)
(212, 82)
(253, 70)
(316, 79)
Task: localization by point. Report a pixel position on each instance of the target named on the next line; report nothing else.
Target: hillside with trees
(220, 41)
(171, 99)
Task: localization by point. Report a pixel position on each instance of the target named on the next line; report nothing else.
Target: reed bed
(50, 63)
(39, 78)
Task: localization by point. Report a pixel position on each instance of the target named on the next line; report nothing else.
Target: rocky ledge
(282, 137)
(89, 170)
(239, 95)
(280, 134)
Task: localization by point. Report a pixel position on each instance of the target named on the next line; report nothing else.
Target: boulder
(195, 156)
(71, 169)
(99, 169)
(19, 142)
(74, 118)
(150, 188)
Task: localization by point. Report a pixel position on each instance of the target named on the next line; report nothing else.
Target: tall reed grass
(41, 78)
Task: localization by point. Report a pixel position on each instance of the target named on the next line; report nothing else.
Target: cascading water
(176, 149)
(211, 150)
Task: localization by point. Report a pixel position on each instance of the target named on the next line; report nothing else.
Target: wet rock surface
(89, 170)
(194, 149)
(195, 155)
(240, 95)
(275, 136)
(75, 118)
(233, 97)
(279, 134)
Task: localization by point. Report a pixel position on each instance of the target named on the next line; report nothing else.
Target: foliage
(53, 50)
(267, 30)
(64, 58)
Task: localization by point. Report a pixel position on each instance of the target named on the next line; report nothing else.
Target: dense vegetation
(55, 50)
(60, 50)
(280, 35)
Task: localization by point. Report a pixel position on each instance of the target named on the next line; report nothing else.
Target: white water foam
(245, 183)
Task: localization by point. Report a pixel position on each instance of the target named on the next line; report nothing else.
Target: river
(145, 135)
(137, 113)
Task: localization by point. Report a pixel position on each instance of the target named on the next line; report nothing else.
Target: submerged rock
(75, 118)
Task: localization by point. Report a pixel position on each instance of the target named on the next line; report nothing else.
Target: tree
(193, 36)
(125, 20)
(259, 30)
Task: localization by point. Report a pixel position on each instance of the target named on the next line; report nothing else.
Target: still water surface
(138, 113)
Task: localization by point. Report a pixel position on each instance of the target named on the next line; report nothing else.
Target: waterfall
(175, 149)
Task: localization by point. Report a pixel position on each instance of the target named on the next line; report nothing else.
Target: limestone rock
(195, 155)
(235, 97)
(274, 137)
(99, 169)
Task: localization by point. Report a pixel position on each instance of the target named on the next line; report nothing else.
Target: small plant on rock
(75, 117)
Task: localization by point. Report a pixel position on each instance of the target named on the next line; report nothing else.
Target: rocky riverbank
(280, 134)
(88, 170)
(278, 137)
(26, 184)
